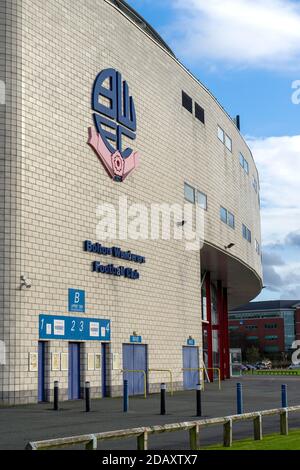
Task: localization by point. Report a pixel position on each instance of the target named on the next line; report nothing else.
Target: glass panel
(244, 232)
(228, 142)
(221, 134)
(204, 304)
(214, 311)
(223, 215)
(289, 328)
(230, 220)
(202, 200)
(246, 166)
(241, 160)
(255, 184)
(215, 348)
(205, 346)
(189, 193)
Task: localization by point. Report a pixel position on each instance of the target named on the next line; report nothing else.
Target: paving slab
(21, 424)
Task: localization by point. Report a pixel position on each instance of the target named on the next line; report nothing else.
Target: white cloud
(278, 162)
(264, 33)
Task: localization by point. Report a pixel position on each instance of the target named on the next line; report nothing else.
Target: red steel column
(226, 334)
(221, 326)
(209, 326)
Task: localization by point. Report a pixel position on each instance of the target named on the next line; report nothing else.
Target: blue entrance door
(74, 371)
(190, 361)
(135, 358)
(104, 347)
(41, 371)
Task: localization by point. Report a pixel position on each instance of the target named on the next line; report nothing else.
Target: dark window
(247, 233)
(187, 102)
(199, 113)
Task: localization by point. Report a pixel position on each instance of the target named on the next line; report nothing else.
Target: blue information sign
(135, 339)
(76, 300)
(191, 342)
(73, 328)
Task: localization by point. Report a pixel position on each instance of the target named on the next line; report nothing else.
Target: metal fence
(142, 434)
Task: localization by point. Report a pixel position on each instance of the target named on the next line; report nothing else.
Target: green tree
(252, 354)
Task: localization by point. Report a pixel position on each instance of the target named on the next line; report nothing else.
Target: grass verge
(271, 442)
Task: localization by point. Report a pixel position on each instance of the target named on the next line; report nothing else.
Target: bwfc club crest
(115, 118)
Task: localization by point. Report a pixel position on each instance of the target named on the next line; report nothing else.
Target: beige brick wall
(64, 45)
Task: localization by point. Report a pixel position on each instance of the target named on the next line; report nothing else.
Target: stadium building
(98, 117)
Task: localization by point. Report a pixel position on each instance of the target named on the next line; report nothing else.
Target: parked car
(264, 365)
(294, 366)
(251, 367)
(243, 367)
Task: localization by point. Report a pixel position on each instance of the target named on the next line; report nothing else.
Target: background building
(63, 317)
(271, 326)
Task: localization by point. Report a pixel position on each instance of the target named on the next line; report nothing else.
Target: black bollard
(56, 395)
(125, 396)
(87, 397)
(198, 398)
(284, 401)
(163, 399)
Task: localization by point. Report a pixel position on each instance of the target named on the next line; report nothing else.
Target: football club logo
(115, 118)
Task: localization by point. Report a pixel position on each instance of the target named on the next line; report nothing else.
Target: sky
(247, 52)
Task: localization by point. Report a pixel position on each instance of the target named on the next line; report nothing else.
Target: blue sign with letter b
(76, 301)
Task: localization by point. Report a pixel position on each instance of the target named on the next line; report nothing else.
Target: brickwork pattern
(56, 50)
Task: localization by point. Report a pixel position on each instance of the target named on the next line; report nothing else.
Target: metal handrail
(202, 372)
(171, 376)
(212, 368)
(138, 371)
(142, 433)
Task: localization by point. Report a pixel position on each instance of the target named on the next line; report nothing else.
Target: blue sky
(247, 52)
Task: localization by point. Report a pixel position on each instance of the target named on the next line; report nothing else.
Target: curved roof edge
(140, 21)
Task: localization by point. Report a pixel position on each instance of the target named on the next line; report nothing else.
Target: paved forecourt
(21, 424)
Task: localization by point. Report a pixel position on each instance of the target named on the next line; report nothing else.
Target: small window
(227, 217)
(187, 102)
(189, 193)
(202, 200)
(254, 184)
(271, 337)
(230, 220)
(221, 134)
(247, 233)
(223, 215)
(228, 142)
(244, 164)
(257, 247)
(270, 326)
(199, 113)
(241, 160)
